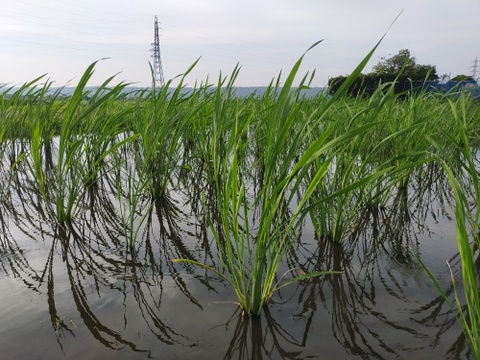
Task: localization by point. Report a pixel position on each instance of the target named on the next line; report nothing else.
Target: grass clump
(457, 155)
(251, 255)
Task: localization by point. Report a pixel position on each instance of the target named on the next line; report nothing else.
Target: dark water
(84, 294)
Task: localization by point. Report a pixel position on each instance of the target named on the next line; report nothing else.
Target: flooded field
(83, 293)
(202, 225)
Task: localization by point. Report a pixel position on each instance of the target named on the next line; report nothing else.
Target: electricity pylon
(475, 69)
(158, 80)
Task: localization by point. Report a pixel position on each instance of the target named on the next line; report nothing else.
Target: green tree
(402, 69)
(393, 65)
(411, 70)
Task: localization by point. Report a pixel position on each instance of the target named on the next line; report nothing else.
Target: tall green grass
(251, 255)
(256, 166)
(457, 155)
(366, 171)
(160, 120)
(87, 136)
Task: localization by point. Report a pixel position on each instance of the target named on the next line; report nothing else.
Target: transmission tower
(475, 67)
(158, 80)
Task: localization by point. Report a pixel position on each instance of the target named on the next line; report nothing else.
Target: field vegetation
(260, 166)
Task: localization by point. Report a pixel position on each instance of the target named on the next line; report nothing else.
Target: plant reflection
(78, 269)
(13, 259)
(375, 305)
(105, 272)
(263, 337)
(99, 265)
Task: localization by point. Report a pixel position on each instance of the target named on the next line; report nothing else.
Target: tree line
(401, 68)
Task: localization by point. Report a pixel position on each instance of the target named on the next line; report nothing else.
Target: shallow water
(86, 295)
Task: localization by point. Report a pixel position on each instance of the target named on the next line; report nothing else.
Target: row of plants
(268, 163)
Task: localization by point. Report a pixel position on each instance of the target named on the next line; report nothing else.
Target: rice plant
(160, 121)
(461, 167)
(251, 255)
(83, 146)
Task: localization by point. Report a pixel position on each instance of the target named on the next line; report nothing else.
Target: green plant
(251, 256)
(461, 168)
(161, 119)
(86, 139)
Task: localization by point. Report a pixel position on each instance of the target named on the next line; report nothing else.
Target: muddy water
(84, 294)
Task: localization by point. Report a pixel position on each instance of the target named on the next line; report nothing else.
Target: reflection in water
(129, 296)
(98, 264)
(261, 338)
(13, 259)
(81, 265)
(376, 308)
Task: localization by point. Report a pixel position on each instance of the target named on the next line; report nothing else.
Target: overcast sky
(62, 37)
